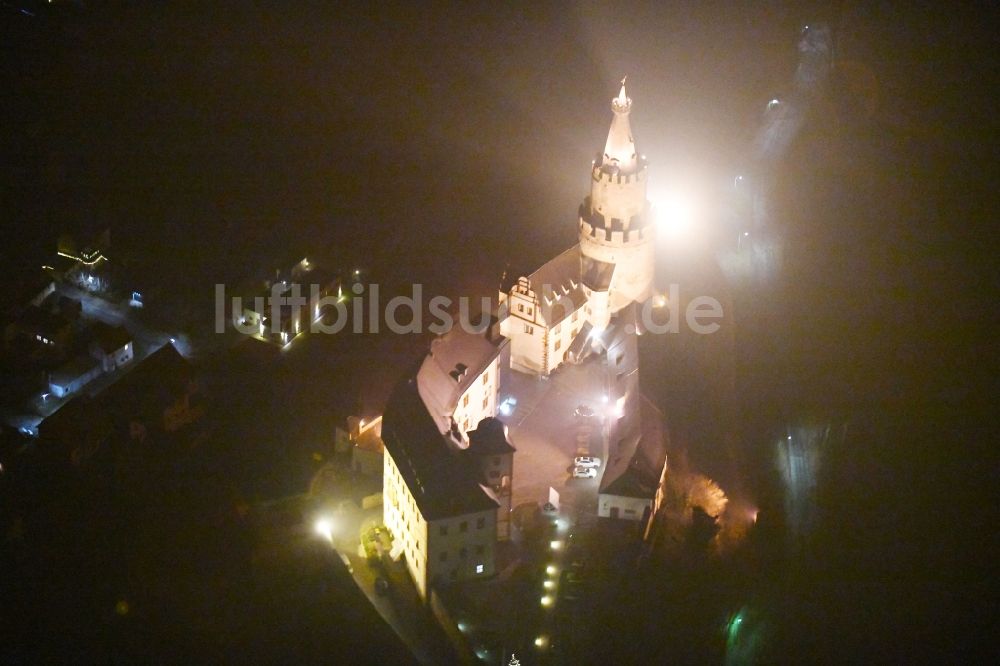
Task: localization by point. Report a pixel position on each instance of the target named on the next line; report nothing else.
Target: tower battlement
(601, 173)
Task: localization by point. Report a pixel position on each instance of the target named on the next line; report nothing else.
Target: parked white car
(587, 461)
(584, 472)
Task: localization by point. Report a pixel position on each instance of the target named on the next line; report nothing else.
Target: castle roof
(638, 461)
(442, 480)
(619, 151)
(453, 363)
(557, 286)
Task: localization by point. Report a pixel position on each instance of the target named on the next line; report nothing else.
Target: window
(465, 425)
(573, 334)
(486, 401)
(496, 461)
(575, 316)
(454, 574)
(486, 377)
(463, 526)
(443, 556)
(530, 310)
(530, 330)
(465, 401)
(480, 523)
(618, 361)
(493, 475)
(444, 530)
(479, 568)
(555, 331)
(480, 549)
(463, 552)
(520, 307)
(558, 345)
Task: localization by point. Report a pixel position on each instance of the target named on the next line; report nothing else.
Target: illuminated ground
(544, 429)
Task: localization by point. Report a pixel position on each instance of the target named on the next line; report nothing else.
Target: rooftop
(72, 369)
(557, 286)
(634, 470)
(110, 338)
(443, 481)
(454, 361)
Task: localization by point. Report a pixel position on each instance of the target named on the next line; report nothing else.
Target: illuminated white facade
(447, 462)
(610, 268)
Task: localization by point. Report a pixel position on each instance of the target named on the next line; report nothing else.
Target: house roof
(110, 338)
(442, 480)
(453, 363)
(557, 286)
(635, 469)
(72, 369)
(42, 321)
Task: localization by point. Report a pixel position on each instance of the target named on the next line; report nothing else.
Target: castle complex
(448, 468)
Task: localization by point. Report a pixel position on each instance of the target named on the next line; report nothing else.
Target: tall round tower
(616, 231)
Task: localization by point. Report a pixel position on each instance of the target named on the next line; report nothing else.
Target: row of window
(486, 401)
(463, 553)
(463, 526)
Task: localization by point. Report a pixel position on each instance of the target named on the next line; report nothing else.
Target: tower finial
(622, 97)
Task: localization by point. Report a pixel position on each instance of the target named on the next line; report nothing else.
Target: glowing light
(773, 103)
(555, 545)
(551, 569)
(546, 600)
(549, 584)
(324, 528)
(541, 641)
(673, 213)
(660, 301)
(480, 568)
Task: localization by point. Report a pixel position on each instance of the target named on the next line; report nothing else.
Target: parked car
(587, 461)
(584, 472)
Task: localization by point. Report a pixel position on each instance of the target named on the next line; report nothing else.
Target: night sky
(439, 143)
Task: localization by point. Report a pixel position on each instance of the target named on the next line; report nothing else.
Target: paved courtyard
(547, 433)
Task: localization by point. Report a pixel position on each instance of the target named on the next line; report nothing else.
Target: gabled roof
(67, 372)
(636, 466)
(557, 286)
(110, 338)
(454, 361)
(443, 482)
(38, 319)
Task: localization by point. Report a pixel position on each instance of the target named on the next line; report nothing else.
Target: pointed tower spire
(619, 151)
